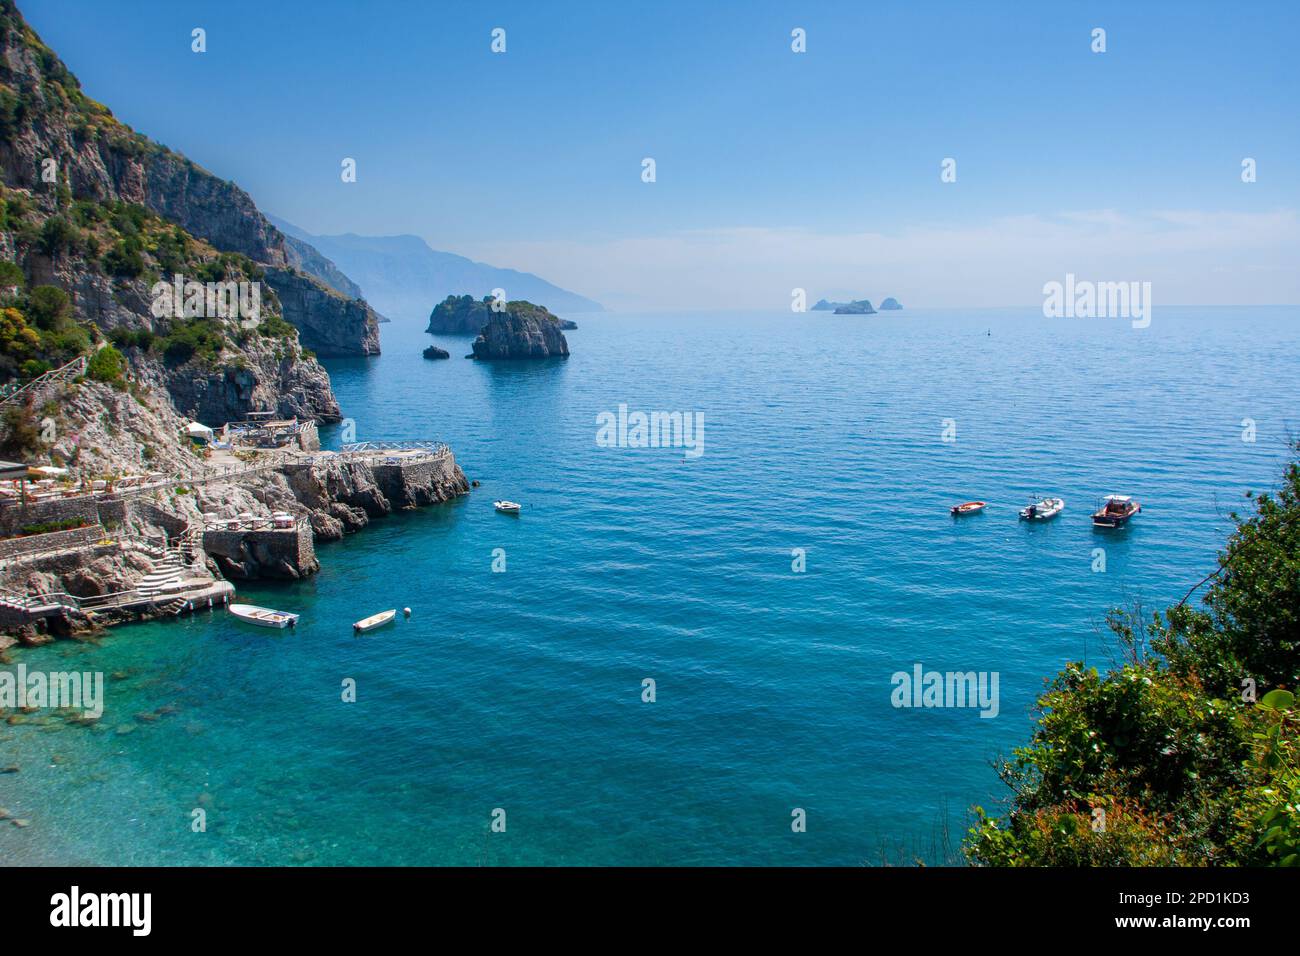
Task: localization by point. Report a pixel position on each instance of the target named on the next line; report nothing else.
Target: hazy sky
(818, 170)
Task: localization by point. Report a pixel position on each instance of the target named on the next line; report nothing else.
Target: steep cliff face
(329, 323)
(306, 258)
(60, 146)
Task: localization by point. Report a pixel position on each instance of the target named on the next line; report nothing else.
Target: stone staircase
(167, 571)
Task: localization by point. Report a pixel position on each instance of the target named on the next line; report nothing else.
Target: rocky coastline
(145, 521)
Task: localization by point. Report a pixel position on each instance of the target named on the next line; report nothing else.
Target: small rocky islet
(856, 306)
(515, 330)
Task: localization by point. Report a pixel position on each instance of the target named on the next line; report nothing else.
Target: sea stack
(522, 331)
(466, 315)
(859, 307)
(433, 352)
(890, 305)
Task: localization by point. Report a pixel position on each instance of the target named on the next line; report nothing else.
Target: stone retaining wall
(286, 553)
(53, 541)
(94, 510)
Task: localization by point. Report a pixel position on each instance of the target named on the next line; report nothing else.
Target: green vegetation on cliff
(1188, 753)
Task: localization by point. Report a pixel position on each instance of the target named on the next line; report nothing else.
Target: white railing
(63, 373)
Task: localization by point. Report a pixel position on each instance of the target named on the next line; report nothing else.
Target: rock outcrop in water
(466, 315)
(859, 307)
(522, 331)
(433, 352)
(856, 307)
(890, 305)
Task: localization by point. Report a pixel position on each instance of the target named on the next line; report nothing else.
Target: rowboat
(507, 507)
(967, 508)
(374, 621)
(1115, 511)
(1043, 509)
(263, 616)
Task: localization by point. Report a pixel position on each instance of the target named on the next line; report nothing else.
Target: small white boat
(263, 616)
(507, 507)
(1043, 509)
(374, 621)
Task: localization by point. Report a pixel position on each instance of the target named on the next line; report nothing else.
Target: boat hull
(1055, 507)
(263, 616)
(1108, 519)
(374, 621)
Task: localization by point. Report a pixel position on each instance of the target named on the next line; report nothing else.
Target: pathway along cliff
(134, 517)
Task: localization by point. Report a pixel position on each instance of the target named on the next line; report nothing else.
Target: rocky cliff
(305, 258)
(328, 323)
(61, 148)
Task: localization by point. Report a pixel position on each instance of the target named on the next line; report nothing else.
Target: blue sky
(775, 169)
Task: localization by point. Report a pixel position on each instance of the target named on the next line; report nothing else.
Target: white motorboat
(263, 616)
(507, 507)
(374, 621)
(1043, 509)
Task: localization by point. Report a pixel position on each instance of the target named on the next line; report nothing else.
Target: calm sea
(522, 689)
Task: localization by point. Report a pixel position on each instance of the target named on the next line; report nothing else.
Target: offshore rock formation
(433, 352)
(523, 331)
(858, 307)
(466, 315)
(890, 305)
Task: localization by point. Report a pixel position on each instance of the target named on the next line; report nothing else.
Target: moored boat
(507, 507)
(967, 508)
(263, 616)
(1043, 509)
(374, 621)
(1115, 511)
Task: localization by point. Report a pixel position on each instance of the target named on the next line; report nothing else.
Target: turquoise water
(522, 689)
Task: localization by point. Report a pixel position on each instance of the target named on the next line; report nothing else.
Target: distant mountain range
(402, 277)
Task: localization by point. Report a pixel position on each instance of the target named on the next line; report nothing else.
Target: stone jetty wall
(285, 554)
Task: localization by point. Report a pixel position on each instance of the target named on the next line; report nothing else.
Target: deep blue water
(522, 690)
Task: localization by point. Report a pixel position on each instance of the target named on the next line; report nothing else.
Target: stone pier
(284, 553)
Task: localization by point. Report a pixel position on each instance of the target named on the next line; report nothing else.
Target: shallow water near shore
(523, 690)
